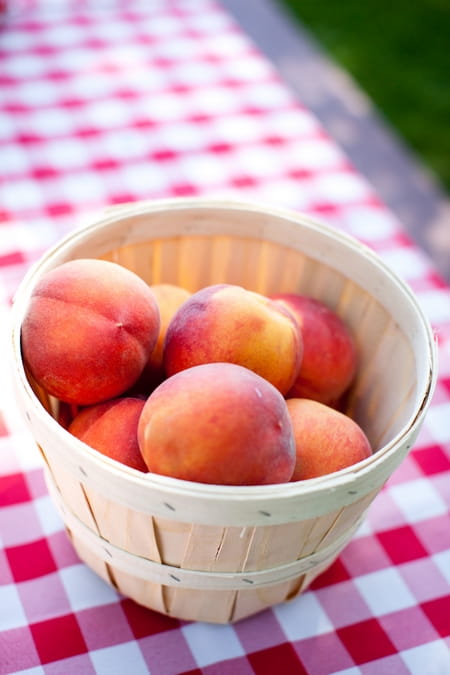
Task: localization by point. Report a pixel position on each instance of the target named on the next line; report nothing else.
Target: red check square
(438, 613)
(144, 621)
(12, 258)
(366, 641)
(333, 575)
(58, 638)
(105, 164)
(59, 209)
(184, 190)
(279, 659)
(243, 181)
(432, 460)
(13, 489)
(29, 561)
(122, 198)
(402, 545)
(44, 172)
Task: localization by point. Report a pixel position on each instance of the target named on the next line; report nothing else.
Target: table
(108, 101)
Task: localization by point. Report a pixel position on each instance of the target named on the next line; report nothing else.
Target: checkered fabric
(106, 101)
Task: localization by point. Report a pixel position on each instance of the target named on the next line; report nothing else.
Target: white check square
(48, 515)
(51, 122)
(85, 589)
(436, 304)
(14, 160)
(438, 422)
(84, 187)
(408, 263)
(123, 144)
(7, 130)
(143, 178)
(21, 194)
(76, 59)
(303, 618)
(385, 591)
(15, 616)
(64, 35)
(432, 658)
(442, 560)
(369, 223)
(24, 66)
(35, 93)
(112, 660)
(211, 643)
(339, 188)
(64, 154)
(418, 500)
(108, 114)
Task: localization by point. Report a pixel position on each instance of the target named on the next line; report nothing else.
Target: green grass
(397, 52)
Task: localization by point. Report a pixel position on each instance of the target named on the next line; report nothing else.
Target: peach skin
(169, 298)
(227, 323)
(88, 331)
(218, 423)
(329, 351)
(111, 428)
(326, 440)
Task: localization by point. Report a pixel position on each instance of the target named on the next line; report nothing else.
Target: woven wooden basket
(220, 553)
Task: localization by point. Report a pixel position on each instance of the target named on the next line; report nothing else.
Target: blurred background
(376, 74)
(398, 53)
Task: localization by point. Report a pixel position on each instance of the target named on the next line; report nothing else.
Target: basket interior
(195, 246)
(382, 396)
(194, 243)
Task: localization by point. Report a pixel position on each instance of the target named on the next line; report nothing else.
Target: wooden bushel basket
(220, 553)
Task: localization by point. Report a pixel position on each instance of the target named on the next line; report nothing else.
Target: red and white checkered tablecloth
(106, 101)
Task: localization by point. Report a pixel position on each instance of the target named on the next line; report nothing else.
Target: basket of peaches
(219, 391)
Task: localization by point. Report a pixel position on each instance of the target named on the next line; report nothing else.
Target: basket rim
(221, 493)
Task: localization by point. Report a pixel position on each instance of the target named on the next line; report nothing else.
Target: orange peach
(326, 440)
(169, 298)
(217, 423)
(88, 330)
(329, 351)
(227, 323)
(111, 428)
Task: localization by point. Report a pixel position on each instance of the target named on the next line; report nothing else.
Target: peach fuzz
(218, 423)
(329, 351)
(326, 440)
(111, 428)
(88, 330)
(169, 298)
(227, 323)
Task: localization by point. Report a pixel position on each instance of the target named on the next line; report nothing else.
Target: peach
(66, 413)
(326, 440)
(169, 298)
(227, 323)
(217, 423)
(88, 330)
(111, 428)
(329, 351)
